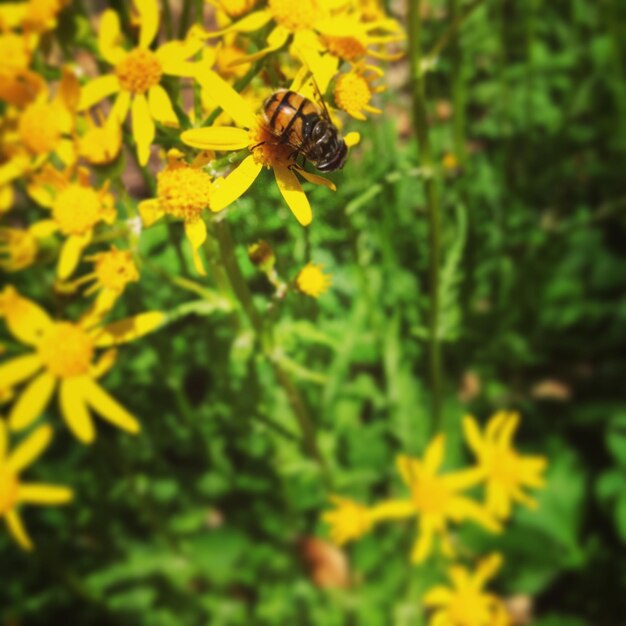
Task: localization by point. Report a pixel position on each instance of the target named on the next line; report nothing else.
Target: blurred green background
(201, 519)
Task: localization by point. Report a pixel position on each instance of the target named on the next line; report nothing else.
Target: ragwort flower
(183, 192)
(62, 357)
(353, 91)
(32, 15)
(14, 492)
(19, 85)
(138, 73)
(252, 133)
(19, 246)
(435, 500)
(465, 603)
(506, 470)
(76, 208)
(350, 520)
(312, 281)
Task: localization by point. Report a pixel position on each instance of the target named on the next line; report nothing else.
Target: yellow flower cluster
(437, 500)
(76, 135)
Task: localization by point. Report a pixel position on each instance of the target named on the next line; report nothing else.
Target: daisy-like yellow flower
(465, 602)
(507, 471)
(184, 192)
(435, 500)
(18, 84)
(312, 281)
(101, 142)
(62, 357)
(13, 492)
(32, 16)
(112, 271)
(233, 8)
(137, 74)
(252, 133)
(19, 247)
(354, 89)
(76, 209)
(349, 520)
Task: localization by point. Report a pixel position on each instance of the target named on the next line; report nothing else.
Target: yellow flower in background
(101, 142)
(312, 281)
(350, 520)
(353, 91)
(435, 500)
(183, 192)
(507, 472)
(63, 356)
(112, 271)
(465, 603)
(14, 492)
(233, 8)
(138, 73)
(76, 208)
(19, 247)
(32, 16)
(251, 133)
(18, 84)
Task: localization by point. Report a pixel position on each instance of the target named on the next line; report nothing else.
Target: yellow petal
(16, 528)
(121, 106)
(103, 364)
(226, 191)
(74, 409)
(216, 138)
(423, 545)
(323, 67)
(30, 449)
(98, 89)
(70, 254)
(108, 37)
(149, 21)
(4, 440)
(487, 569)
(275, 40)
(437, 596)
(227, 98)
(174, 56)
(433, 457)
(66, 151)
(36, 493)
(150, 212)
(392, 509)
(317, 180)
(472, 435)
(18, 369)
(408, 468)
(352, 139)
(161, 107)
(43, 229)
(250, 23)
(32, 401)
(109, 408)
(143, 128)
(25, 320)
(129, 329)
(291, 190)
(196, 233)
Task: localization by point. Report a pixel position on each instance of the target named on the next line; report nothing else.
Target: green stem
(420, 124)
(264, 335)
(185, 16)
(458, 88)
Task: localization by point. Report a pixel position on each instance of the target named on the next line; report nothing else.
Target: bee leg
(258, 145)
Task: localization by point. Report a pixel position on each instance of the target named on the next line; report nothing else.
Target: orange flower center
(266, 150)
(9, 488)
(352, 93)
(295, 16)
(115, 269)
(66, 350)
(183, 191)
(346, 48)
(139, 70)
(77, 209)
(39, 127)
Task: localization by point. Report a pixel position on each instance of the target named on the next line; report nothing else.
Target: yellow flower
(252, 133)
(183, 192)
(450, 161)
(62, 356)
(465, 603)
(100, 143)
(435, 500)
(312, 281)
(33, 16)
(138, 73)
(18, 248)
(18, 84)
(507, 471)
(349, 521)
(233, 8)
(354, 89)
(112, 271)
(76, 209)
(13, 492)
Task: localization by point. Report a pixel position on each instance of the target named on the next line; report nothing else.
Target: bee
(299, 123)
